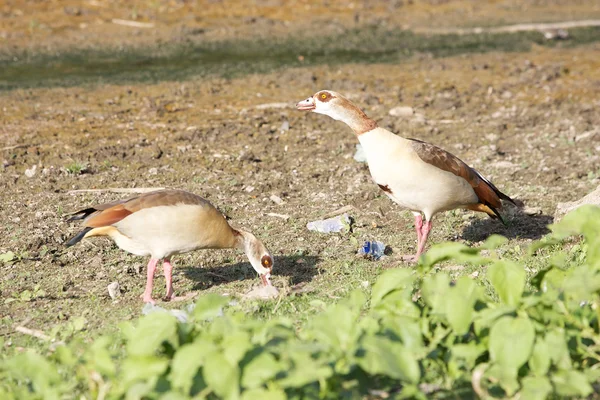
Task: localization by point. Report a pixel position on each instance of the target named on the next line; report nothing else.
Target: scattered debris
(282, 216)
(372, 249)
(262, 292)
(116, 190)
(133, 24)
(276, 199)
(114, 290)
(402, 111)
(564, 208)
(341, 223)
(339, 211)
(587, 135)
(272, 105)
(532, 210)
(360, 155)
(30, 172)
(556, 34)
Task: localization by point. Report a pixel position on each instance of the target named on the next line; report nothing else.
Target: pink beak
(306, 105)
(266, 279)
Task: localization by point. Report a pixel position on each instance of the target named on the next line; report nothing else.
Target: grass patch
(234, 58)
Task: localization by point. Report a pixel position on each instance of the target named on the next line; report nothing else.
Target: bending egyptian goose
(417, 175)
(167, 222)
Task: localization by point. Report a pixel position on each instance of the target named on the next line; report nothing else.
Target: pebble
(114, 290)
(401, 111)
(30, 173)
(262, 292)
(276, 199)
(532, 210)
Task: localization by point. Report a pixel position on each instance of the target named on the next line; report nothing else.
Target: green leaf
(264, 394)
(390, 280)
(7, 257)
(434, 289)
(583, 220)
(32, 366)
(236, 345)
(100, 358)
(260, 370)
(539, 363)
(187, 361)
(143, 369)
(221, 376)
(304, 369)
(493, 242)
(571, 383)
(151, 331)
(209, 306)
(558, 349)
(511, 342)
(508, 279)
(469, 352)
(382, 356)
(535, 388)
(459, 304)
(505, 376)
(454, 251)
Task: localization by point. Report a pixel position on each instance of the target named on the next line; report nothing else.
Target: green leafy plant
(418, 335)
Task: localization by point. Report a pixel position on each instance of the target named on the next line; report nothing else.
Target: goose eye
(266, 261)
(323, 96)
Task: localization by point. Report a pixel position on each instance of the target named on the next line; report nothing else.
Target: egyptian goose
(417, 175)
(167, 222)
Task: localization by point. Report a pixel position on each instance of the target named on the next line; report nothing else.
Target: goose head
(260, 258)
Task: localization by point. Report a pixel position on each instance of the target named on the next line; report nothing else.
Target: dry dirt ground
(526, 120)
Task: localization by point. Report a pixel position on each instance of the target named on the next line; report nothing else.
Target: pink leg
(419, 227)
(424, 235)
(147, 296)
(168, 267)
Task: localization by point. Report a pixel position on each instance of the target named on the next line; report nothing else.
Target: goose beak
(266, 279)
(306, 105)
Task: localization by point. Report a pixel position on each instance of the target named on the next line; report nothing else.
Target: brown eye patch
(324, 96)
(266, 261)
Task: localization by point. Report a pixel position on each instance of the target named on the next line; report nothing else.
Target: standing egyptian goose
(417, 175)
(167, 222)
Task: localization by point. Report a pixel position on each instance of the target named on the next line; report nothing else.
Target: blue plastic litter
(373, 249)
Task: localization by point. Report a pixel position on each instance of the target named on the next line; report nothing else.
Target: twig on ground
(133, 24)
(116, 190)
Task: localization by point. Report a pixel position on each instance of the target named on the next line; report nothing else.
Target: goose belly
(162, 231)
(418, 186)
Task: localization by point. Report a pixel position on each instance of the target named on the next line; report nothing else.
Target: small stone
(587, 135)
(276, 199)
(153, 171)
(564, 208)
(285, 126)
(532, 210)
(401, 111)
(249, 189)
(113, 290)
(262, 293)
(31, 171)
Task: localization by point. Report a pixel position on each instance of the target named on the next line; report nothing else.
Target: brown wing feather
(111, 213)
(108, 216)
(486, 192)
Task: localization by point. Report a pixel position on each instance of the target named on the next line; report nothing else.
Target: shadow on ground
(297, 268)
(520, 226)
